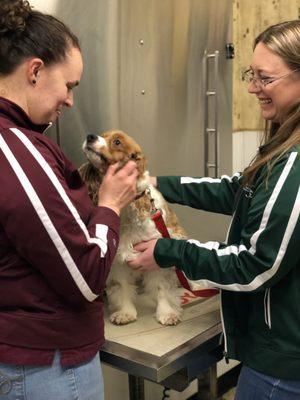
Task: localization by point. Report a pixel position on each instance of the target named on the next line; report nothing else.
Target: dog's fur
(136, 226)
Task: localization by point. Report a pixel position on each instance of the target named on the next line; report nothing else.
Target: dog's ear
(92, 178)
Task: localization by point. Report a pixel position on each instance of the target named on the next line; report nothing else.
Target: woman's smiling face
(53, 89)
(284, 87)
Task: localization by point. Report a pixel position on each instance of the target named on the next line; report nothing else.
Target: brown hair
(284, 40)
(26, 33)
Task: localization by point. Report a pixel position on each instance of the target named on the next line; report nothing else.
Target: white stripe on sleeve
(293, 219)
(271, 202)
(100, 241)
(186, 179)
(47, 223)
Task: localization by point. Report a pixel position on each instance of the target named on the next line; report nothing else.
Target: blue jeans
(53, 382)
(253, 385)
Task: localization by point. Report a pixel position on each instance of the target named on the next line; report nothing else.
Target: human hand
(153, 180)
(145, 260)
(118, 187)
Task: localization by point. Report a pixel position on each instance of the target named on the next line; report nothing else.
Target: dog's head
(111, 147)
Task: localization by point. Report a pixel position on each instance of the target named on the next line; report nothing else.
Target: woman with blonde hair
(258, 269)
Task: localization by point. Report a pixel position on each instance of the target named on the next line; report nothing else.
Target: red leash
(157, 218)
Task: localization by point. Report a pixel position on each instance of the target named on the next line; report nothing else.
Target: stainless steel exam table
(172, 356)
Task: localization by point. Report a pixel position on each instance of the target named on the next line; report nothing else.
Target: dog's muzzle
(90, 146)
(90, 139)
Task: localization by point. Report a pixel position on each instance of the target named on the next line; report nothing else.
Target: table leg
(136, 388)
(207, 384)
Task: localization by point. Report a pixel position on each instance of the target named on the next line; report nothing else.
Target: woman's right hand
(153, 180)
(118, 187)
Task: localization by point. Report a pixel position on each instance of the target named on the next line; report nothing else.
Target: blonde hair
(284, 40)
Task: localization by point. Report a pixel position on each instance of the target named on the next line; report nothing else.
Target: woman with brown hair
(258, 269)
(56, 248)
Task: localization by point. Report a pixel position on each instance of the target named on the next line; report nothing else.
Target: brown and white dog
(136, 226)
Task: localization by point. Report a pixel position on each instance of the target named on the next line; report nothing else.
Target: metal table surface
(136, 348)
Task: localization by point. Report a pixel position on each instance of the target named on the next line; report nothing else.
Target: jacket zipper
(48, 127)
(249, 194)
(267, 308)
(223, 336)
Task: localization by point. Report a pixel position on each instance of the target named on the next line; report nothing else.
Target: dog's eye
(117, 142)
(133, 156)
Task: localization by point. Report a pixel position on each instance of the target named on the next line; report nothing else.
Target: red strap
(160, 224)
(161, 227)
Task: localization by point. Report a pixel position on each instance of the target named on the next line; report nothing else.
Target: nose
(91, 138)
(69, 100)
(254, 87)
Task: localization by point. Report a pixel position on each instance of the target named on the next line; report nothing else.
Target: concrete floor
(229, 395)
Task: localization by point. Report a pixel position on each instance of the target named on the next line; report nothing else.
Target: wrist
(153, 181)
(112, 207)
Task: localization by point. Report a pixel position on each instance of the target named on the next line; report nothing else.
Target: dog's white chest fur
(135, 229)
(161, 285)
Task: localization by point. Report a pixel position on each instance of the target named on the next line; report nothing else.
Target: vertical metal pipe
(208, 384)
(211, 130)
(216, 122)
(136, 387)
(205, 119)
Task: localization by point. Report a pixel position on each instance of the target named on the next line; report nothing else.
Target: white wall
(244, 148)
(46, 6)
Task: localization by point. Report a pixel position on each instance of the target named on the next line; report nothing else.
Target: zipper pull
(248, 191)
(225, 355)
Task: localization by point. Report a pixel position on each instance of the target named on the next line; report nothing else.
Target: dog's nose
(91, 138)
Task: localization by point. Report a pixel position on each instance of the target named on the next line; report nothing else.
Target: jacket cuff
(106, 216)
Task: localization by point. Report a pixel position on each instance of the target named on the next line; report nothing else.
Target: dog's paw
(122, 318)
(169, 319)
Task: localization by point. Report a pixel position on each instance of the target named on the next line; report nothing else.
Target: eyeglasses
(248, 76)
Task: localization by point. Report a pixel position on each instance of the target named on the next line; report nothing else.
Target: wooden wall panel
(250, 17)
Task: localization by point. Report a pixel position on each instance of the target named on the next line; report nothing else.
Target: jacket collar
(15, 113)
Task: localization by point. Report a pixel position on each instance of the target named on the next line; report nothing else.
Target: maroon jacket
(56, 249)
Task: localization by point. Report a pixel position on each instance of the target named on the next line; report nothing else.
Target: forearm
(215, 195)
(51, 223)
(265, 247)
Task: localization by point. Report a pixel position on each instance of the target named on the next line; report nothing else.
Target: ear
(34, 65)
(140, 159)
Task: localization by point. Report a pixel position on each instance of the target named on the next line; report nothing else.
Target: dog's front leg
(168, 309)
(121, 292)
(162, 287)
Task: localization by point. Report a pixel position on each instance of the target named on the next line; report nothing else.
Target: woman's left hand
(145, 260)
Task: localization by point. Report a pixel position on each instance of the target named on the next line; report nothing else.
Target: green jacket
(258, 270)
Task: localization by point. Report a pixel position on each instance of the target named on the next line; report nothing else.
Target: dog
(123, 282)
